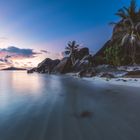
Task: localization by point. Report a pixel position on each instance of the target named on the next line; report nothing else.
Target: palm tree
(128, 13)
(130, 39)
(71, 50)
(129, 34)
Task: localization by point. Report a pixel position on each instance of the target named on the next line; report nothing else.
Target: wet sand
(53, 110)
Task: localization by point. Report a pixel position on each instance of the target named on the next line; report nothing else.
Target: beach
(66, 108)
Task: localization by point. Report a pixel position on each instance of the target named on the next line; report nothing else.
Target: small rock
(107, 75)
(118, 80)
(86, 114)
(107, 79)
(124, 80)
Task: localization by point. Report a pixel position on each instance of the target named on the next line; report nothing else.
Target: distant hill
(13, 68)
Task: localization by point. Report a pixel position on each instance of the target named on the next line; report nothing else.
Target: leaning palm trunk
(133, 53)
(131, 38)
(72, 60)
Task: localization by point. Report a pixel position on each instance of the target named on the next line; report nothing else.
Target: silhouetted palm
(128, 33)
(71, 49)
(128, 13)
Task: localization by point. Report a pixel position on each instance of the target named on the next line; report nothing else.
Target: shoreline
(131, 82)
(120, 81)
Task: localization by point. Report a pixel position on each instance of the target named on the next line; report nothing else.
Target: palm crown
(71, 49)
(129, 28)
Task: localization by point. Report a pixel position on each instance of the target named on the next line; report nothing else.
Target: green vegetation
(71, 50)
(113, 55)
(126, 36)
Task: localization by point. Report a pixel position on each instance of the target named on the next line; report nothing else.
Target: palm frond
(133, 6)
(137, 26)
(126, 9)
(113, 23)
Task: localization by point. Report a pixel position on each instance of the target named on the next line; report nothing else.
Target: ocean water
(49, 107)
(25, 102)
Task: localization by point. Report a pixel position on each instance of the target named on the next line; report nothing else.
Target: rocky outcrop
(125, 57)
(133, 74)
(99, 57)
(47, 65)
(64, 66)
(82, 62)
(81, 53)
(107, 75)
(89, 72)
(32, 70)
(86, 62)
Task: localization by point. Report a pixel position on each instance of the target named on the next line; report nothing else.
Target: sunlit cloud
(14, 56)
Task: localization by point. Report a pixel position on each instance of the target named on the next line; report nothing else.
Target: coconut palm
(131, 39)
(128, 13)
(128, 34)
(71, 50)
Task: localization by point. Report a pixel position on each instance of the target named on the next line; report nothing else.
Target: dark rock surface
(82, 53)
(85, 62)
(64, 66)
(125, 59)
(47, 65)
(90, 72)
(133, 74)
(107, 75)
(32, 70)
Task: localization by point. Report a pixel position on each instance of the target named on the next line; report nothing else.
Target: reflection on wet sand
(49, 107)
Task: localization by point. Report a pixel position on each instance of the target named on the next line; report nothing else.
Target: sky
(31, 30)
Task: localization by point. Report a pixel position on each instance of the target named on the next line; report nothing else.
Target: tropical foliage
(71, 50)
(126, 33)
(113, 55)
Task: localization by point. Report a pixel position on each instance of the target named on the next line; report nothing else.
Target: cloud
(5, 61)
(2, 65)
(45, 51)
(13, 51)
(14, 56)
(3, 38)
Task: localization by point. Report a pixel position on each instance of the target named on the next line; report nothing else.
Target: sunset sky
(31, 30)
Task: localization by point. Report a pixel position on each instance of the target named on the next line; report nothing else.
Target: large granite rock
(99, 57)
(32, 70)
(125, 51)
(47, 65)
(82, 53)
(86, 62)
(64, 66)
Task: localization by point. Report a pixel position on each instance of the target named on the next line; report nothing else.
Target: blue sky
(50, 24)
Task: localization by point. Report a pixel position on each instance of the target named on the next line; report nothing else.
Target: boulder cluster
(83, 65)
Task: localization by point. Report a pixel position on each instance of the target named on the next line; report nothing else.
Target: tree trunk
(133, 54)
